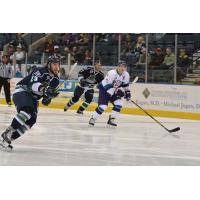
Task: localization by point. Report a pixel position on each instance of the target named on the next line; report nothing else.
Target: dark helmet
(54, 59)
(121, 62)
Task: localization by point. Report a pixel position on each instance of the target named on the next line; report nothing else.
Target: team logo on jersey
(34, 78)
(116, 84)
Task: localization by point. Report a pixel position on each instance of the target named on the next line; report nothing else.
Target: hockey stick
(169, 130)
(135, 80)
(71, 70)
(68, 75)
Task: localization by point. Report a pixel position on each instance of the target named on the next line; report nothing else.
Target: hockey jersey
(113, 81)
(90, 76)
(32, 82)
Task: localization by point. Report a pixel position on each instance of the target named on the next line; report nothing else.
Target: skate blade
(110, 126)
(90, 125)
(79, 114)
(6, 149)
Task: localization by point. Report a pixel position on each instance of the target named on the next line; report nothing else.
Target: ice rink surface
(61, 138)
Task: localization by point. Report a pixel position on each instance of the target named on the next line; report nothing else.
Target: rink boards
(176, 101)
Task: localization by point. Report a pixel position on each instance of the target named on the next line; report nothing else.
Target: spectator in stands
(18, 56)
(64, 56)
(6, 73)
(128, 38)
(157, 58)
(7, 37)
(66, 39)
(169, 59)
(10, 50)
(21, 41)
(129, 47)
(56, 50)
(88, 58)
(49, 46)
(80, 56)
(74, 54)
(139, 49)
(183, 60)
(196, 64)
(83, 39)
(128, 54)
(65, 52)
(115, 38)
(73, 39)
(183, 64)
(140, 45)
(142, 58)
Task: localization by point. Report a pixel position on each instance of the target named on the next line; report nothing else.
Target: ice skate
(66, 108)
(5, 139)
(79, 112)
(92, 122)
(111, 122)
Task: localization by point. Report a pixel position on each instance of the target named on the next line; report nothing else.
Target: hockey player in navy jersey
(88, 78)
(41, 83)
(114, 86)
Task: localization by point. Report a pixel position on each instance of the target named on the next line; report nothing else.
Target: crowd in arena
(80, 46)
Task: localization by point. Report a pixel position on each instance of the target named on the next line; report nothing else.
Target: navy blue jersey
(90, 76)
(31, 83)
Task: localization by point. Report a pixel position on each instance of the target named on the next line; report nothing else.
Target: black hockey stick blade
(174, 130)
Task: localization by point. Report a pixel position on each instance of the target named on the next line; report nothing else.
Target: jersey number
(34, 78)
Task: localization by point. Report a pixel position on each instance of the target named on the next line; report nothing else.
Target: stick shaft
(149, 115)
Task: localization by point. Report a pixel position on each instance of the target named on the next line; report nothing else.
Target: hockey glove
(127, 95)
(119, 93)
(50, 92)
(46, 101)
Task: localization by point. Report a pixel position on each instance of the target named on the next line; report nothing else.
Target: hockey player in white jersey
(114, 86)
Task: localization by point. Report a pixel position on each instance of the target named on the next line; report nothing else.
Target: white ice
(60, 138)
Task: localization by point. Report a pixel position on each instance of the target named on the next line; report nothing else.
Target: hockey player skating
(41, 83)
(88, 78)
(114, 86)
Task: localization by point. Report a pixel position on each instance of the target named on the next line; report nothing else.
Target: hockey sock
(20, 131)
(19, 124)
(115, 111)
(20, 120)
(70, 103)
(98, 111)
(83, 106)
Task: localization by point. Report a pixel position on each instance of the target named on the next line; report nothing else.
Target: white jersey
(113, 81)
